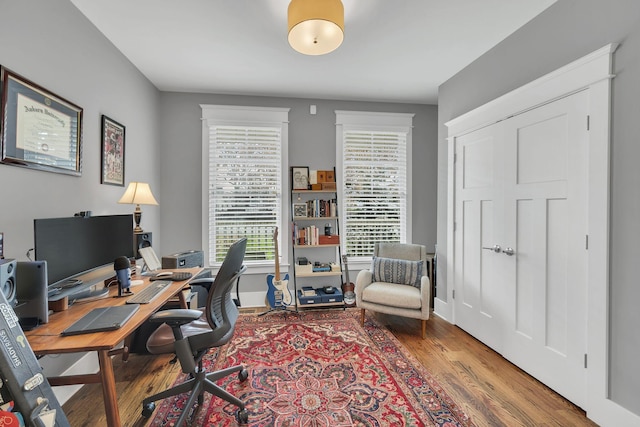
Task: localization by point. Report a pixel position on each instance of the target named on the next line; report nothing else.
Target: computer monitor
(75, 245)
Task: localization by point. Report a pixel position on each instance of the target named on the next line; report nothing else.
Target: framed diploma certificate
(39, 129)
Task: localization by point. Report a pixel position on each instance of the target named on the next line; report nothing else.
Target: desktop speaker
(141, 240)
(8, 280)
(186, 259)
(31, 290)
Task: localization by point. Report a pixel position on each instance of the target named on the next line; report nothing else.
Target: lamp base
(137, 216)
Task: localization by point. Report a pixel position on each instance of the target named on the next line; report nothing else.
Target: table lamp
(138, 193)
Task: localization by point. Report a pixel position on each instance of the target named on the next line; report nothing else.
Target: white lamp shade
(138, 193)
(316, 27)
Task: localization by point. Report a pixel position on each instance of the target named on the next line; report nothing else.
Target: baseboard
(607, 413)
(253, 299)
(442, 309)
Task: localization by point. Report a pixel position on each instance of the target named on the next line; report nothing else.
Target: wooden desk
(46, 339)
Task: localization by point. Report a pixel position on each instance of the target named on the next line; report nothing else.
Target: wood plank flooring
(492, 391)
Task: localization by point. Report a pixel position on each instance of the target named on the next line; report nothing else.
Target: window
(245, 158)
(373, 152)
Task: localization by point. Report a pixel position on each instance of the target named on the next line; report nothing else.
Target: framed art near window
(38, 129)
(300, 177)
(112, 166)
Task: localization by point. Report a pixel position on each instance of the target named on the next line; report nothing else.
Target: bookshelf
(315, 233)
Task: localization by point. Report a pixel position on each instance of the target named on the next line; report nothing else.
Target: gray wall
(311, 143)
(51, 43)
(565, 32)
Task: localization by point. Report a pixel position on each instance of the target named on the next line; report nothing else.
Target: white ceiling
(393, 51)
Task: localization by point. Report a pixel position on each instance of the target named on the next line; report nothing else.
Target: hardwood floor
(492, 391)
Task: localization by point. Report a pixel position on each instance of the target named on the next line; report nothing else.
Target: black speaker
(31, 289)
(141, 240)
(8, 280)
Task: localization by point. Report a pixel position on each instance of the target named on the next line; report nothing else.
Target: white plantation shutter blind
(375, 172)
(246, 154)
(245, 184)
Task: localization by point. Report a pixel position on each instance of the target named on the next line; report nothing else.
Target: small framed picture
(300, 178)
(300, 210)
(112, 166)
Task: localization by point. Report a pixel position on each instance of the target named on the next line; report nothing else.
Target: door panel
(522, 184)
(546, 223)
(477, 288)
(542, 151)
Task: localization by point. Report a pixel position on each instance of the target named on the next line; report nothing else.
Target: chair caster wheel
(147, 410)
(243, 375)
(242, 416)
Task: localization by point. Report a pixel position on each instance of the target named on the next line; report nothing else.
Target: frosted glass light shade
(316, 27)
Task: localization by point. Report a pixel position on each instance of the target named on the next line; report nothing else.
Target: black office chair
(190, 334)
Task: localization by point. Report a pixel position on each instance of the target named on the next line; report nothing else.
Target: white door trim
(592, 72)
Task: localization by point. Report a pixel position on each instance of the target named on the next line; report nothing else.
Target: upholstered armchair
(397, 282)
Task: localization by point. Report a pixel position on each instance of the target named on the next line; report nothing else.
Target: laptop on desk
(102, 319)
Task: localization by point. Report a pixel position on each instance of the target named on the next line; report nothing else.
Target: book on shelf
(310, 235)
(319, 208)
(306, 235)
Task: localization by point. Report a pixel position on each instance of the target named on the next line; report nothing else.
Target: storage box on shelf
(320, 296)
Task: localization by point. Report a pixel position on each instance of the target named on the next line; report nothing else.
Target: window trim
(374, 121)
(234, 115)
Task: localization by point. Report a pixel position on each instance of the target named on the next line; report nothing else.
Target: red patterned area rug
(317, 369)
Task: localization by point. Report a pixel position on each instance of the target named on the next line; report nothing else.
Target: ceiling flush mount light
(316, 27)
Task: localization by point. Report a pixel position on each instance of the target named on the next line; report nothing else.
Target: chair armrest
(425, 296)
(175, 317)
(205, 282)
(364, 279)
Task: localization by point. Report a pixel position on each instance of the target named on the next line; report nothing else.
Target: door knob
(509, 251)
(495, 248)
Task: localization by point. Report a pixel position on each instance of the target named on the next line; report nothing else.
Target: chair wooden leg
(362, 316)
(424, 328)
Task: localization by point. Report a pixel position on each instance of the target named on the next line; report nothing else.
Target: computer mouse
(164, 274)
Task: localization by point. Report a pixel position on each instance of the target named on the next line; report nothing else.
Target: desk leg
(109, 389)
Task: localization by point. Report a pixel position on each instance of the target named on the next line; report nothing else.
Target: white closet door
(479, 192)
(546, 226)
(521, 184)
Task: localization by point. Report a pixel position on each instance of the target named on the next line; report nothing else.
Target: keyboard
(151, 292)
(176, 276)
